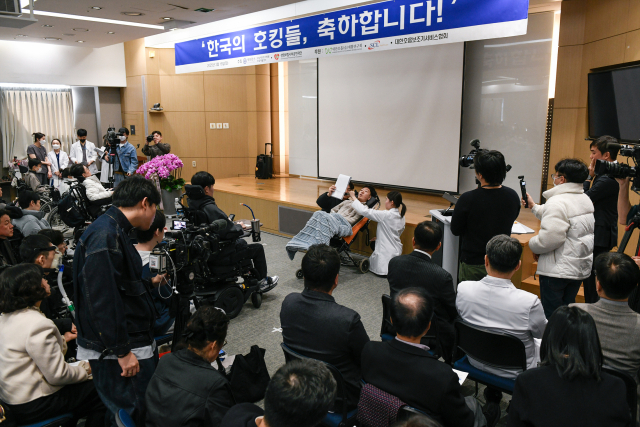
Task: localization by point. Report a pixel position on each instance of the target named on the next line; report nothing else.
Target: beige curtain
(24, 112)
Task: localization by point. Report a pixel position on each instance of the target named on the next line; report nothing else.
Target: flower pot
(168, 200)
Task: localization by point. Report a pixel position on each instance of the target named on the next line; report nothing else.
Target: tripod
(113, 153)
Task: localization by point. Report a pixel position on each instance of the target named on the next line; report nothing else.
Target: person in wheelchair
(326, 202)
(32, 219)
(201, 199)
(31, 179)
(93, 188)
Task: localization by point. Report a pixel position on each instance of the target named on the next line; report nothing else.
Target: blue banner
(379, 26)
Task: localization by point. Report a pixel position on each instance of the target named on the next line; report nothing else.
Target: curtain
(26, 111)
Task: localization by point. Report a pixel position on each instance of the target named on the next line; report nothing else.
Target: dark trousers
(255, 251)
(590, 294)
(43, 177)
(118, 392)
(80, 399)
(556, 292)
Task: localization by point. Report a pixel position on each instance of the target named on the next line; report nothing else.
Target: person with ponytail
(186, 390)
(390, 227)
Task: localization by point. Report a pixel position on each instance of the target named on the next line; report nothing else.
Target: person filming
(158, 148)
(483, 213)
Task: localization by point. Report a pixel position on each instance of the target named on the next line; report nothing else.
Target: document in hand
(341, 186)
(519, 228)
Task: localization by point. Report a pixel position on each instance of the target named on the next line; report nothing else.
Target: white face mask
(55, 146)
(122, 139)
(43, 141)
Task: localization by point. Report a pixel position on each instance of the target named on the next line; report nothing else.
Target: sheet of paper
(461, 375)
(519, 228)
(341, 186)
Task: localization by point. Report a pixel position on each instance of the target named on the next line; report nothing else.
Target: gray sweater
(31, 222)
(346, 211)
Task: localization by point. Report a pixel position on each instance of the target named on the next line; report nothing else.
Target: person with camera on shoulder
(483, 213)
(158, 148)
(114, 307)
(125, 162)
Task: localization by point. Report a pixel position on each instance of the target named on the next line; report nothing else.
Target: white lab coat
(64, 162)
(388, 244)
(75, 155)
(105, 169)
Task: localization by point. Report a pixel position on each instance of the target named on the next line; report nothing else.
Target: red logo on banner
(276, 56)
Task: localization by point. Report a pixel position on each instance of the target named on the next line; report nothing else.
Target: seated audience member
(7, 254)
(327, 202)
(94, 189)
(147, 240)
(186, 390)
(299, 395)
(255, 251)
(35, 381)
(57, 238)
(31, 177)
(402, 367)
(617, 275)
(569, 388)
(495, 304)
(32, 219)
(314, 325)
(416, 270)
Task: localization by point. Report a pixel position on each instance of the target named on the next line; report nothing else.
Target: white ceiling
(153, 10)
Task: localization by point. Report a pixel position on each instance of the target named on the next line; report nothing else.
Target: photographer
(255, 251)
(126, 162)
(602, 189)
(483, 213)
(159, 148)
(114, 308)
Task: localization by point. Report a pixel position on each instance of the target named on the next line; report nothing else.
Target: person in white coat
(390, 227)
(59, 161)
(564, 245)
(84, 152)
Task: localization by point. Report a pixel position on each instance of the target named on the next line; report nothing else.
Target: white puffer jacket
(565, 241)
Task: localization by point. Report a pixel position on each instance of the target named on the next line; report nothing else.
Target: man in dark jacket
(326, 202)
(314, 325)
(603, 191)
(114, 309)
(207, 204)
(417, 270)
(404, 368)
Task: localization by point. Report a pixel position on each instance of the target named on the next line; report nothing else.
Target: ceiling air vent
(10, 7)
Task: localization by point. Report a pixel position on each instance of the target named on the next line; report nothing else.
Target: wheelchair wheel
(256, 299)
(53, 218)
(299, 274)
(230, 300)
(364, 265)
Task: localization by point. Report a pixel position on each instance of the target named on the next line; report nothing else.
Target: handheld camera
(523, 189)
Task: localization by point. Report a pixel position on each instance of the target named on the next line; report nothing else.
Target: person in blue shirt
(126, 162)
(147, 240)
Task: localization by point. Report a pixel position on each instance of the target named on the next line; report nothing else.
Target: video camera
(467, 161)
(149, 138)
(622, 170)
(112, 138)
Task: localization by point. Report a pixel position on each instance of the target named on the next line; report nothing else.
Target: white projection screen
(392, 117)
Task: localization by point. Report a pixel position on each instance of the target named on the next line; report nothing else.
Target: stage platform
(283, 203)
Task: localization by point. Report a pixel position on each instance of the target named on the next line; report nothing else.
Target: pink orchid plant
(167, 169)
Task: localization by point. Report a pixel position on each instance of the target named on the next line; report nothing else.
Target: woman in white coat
(390, 227)
(59, 161)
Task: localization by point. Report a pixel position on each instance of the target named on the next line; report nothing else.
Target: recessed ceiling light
(69, 35)
(133, 13)
(22, 35)
(83, 30)
(110, 32)
(80, 41)
(166, 18)
(96, 7)
(52, 38)
(48, 26)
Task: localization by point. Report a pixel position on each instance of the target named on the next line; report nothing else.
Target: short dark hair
(208, 324)
(34, 162)
(574, 170)
(411, 312)
(65, 172)
(491, 165)
(76, 171)
(320, 266)
(299, 394)
(156, 131)
(203, 179)
(133, 190)
(428, 235)
(82, 132)
(33, 246)
(21, 287)
(570, 343)
(124, 130)
(26, 197)
(606, 144)
(372, 190)
(504, 253)
(56, 236)
(617, 273)
(159, 222)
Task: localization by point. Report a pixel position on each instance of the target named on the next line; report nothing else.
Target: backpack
(69, 212)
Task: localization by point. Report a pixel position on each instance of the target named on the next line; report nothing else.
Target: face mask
(43, 141)
(55, 146)
(122, 138)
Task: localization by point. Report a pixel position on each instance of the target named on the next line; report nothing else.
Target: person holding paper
(327, 202)
(390, 227)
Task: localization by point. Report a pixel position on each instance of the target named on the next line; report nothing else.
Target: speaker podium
(448, 256)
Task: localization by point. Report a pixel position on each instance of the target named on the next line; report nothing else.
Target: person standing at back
(482, 213)
(37, 150)
(84, 152)
(59, 161)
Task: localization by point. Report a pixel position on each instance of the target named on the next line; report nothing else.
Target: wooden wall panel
(581, 148)
(235, 141)
(182, 93)
(153, 90)
(263, 93)
(634, 15)
(232, 71)
(572, 21)
(632, 52)
(152, 64)
(136, 119)
(134, 59)
(229, 92)
(167, 62)
(567, 85)
(189, 170)
(605, 18)
(601, 53)
(563, 135)
(227, 167)
(132, 95)
(185, 131)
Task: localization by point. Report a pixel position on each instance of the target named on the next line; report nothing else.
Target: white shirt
(422, 252)
(141, 353)
(497, 305)
(75, 155)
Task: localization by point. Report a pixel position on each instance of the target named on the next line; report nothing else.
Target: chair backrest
(496, 349)
(123, 419)
(290, 355)
(388, 328)
(377, 408)
(630, 383)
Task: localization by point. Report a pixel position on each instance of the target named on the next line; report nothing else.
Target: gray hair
(504, 253)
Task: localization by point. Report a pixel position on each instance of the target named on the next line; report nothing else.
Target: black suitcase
(264, 164)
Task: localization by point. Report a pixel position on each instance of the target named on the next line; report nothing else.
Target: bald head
(411, 312)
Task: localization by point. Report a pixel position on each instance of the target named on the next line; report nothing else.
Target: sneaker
(492, 413)
(267, 284)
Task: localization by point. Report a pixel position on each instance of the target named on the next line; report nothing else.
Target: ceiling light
(166, 18)
(69, 35)
(52, 38)
(22, 35)
(133, 13)
(48, 26)
(96, 7)
(93, 19)
(80, 41)
(83, 30)
(204, 10)
(110, 32)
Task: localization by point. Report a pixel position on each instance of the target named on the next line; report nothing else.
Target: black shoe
(492, 413)
(492, 395)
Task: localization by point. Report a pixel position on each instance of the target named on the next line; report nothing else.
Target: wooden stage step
(531, 284)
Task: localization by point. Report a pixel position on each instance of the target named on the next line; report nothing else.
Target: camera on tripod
(112, 138)
(622, 170)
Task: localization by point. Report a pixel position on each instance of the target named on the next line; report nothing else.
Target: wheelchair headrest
(372, 202)
(194, 191)
(23, 169)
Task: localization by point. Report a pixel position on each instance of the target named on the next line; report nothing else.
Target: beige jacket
(346, 211)
(31, 358)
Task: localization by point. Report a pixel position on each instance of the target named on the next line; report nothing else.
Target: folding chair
(630, 383)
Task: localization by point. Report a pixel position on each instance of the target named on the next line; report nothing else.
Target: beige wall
(241, 97)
